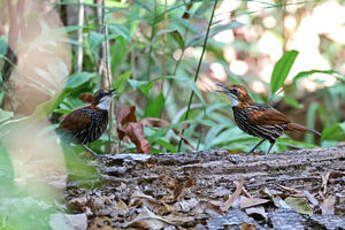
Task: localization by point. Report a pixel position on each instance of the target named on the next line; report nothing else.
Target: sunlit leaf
(282, 69)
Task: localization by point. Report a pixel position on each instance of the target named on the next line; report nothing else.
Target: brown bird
(86, 124)
(259, 120)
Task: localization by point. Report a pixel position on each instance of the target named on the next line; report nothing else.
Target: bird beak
(222, 86)
(111, 91)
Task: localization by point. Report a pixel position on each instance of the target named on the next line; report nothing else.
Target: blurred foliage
(155, 48)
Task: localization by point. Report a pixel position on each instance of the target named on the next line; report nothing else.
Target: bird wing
(267, 115)
(75, 121)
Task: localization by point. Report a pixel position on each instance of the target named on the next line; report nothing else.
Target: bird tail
(294, 126)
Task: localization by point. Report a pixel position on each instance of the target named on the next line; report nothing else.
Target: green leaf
(178, 38)
(198, 40)
(282, 69)
(78, 79)
(155, 107)
(153, 134)
(144, 86)
(95, 39)
(119, 30)
(305, 74)
(121, 82)
(334, 132)
(166, 145)
(291, 101)
(5, 115)
(119, 52)
(300, 205)
(230, 26)
(295, 144)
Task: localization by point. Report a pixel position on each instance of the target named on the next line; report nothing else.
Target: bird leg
(269, 149)
(95, 155)
(257, 145)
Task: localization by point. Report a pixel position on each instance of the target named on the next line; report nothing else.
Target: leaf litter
(164, 192)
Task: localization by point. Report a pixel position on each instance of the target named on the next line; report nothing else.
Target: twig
(79, 66)
(108, 77)
(165, 41)
(198, 68)
(153, 31)
(306, 178)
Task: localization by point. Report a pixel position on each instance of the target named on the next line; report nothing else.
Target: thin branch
(165, 41)
(153, 31)
(79, 65)
(198, 68)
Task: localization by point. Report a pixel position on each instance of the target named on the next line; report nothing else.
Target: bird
(86, 124)
(259, 120)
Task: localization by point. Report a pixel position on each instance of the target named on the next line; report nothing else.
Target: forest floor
(298, 189)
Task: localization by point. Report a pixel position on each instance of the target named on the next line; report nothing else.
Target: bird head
(102, 99)
(238, 95)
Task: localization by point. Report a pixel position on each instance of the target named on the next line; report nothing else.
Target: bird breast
(104, 103)
(234, 100)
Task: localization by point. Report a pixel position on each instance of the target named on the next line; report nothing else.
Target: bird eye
(234, 90)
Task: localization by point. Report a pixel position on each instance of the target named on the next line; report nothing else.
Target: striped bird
(259, 120)
(86, 124)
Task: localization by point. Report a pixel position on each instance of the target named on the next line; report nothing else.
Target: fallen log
(186, 190)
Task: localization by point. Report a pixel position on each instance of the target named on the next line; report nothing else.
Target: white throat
(233, 100)
(104, 104)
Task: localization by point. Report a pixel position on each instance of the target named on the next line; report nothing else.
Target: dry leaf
(135, 131)
(148, 220)
(257, 211)
(301, 194)
(234, 196)
(125, 114)
(86, 97)
(251, 202)
(325, 178)
(327, 206)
